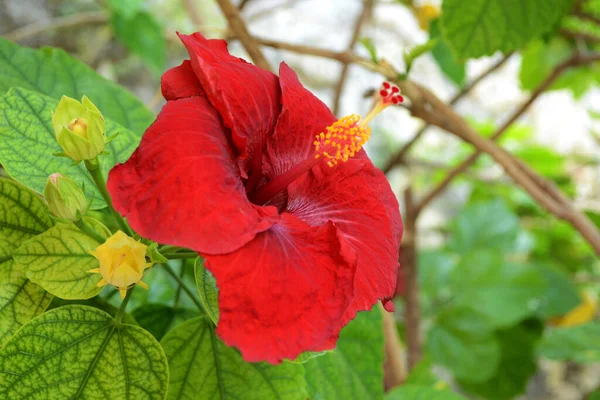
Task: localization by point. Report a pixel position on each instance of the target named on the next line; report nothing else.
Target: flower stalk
(121, 311)
(93, 167)
(85, 228)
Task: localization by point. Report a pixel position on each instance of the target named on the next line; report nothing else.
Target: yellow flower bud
(65, 198)
(581, 314)
(425, 14)
(122, 262)
(79, 128)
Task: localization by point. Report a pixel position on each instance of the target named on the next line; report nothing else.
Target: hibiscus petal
(356, 197)
(302, 117)
(182, 187)
(247, 97)
(180, 82)
(285, 292)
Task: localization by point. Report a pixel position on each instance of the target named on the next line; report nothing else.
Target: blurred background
(482, 246)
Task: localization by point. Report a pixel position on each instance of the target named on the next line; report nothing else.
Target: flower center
(79, 127)
(338, 143)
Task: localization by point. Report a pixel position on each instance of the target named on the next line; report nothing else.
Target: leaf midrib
(99, 353)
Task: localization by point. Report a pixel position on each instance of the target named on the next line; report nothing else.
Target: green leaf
(354, 370)
(370, 46)
(445, 58)
(208, 290)
(435, 270)
(543, 160)
(505, 293)
(560, 297)
(418, 51)
(58, 260)
(202, 367)
(462, 340)
(158, 319)
(577, 343)
(143, 35)
(481, 27)
(55, 73)
(20, 300)
(421, 374)
(23, 215)
(517, 363)
(485, 224)
(420, 392)
(127, 8)
(27, 142)
(540, 59)
(81, 352)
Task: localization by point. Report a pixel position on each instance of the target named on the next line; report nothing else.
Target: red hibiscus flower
(247, 169)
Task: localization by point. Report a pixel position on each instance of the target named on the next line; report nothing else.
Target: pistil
(338, 143)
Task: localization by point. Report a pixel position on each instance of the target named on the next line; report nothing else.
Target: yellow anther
(349, 135)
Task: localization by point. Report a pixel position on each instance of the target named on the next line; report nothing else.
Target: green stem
(85, 228)
(93, 167)
(178, 292)
(121, 311)
(183, 286)
(169, 249)
(180, 256)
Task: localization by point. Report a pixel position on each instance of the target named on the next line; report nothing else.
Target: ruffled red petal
(286, 291)
(247, 97)
(302, 117)
(180, 82)
(356, 197)
(182, 186)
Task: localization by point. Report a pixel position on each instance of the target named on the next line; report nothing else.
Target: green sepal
(154, 255)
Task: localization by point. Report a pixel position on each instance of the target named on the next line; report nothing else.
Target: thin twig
(179, 286)
(573, 61)
(243, 4)
(408, 262)
(362, 18)
(238, 27)
(192, 11)
(342, 56)
(69, 21)
(397, 158)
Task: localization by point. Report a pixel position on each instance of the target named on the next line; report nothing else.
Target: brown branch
(342, 56)
(544, 192)
(238, 27)
(408, 262)
(589, 37)
(69, 21)
(362, 18)
(396, 158)
(573, 61)
(587, 17)
(243, 4)
(427, 106)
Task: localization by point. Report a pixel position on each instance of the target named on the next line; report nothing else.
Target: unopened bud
(122, 262)
(65, 198)
(79, 128)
